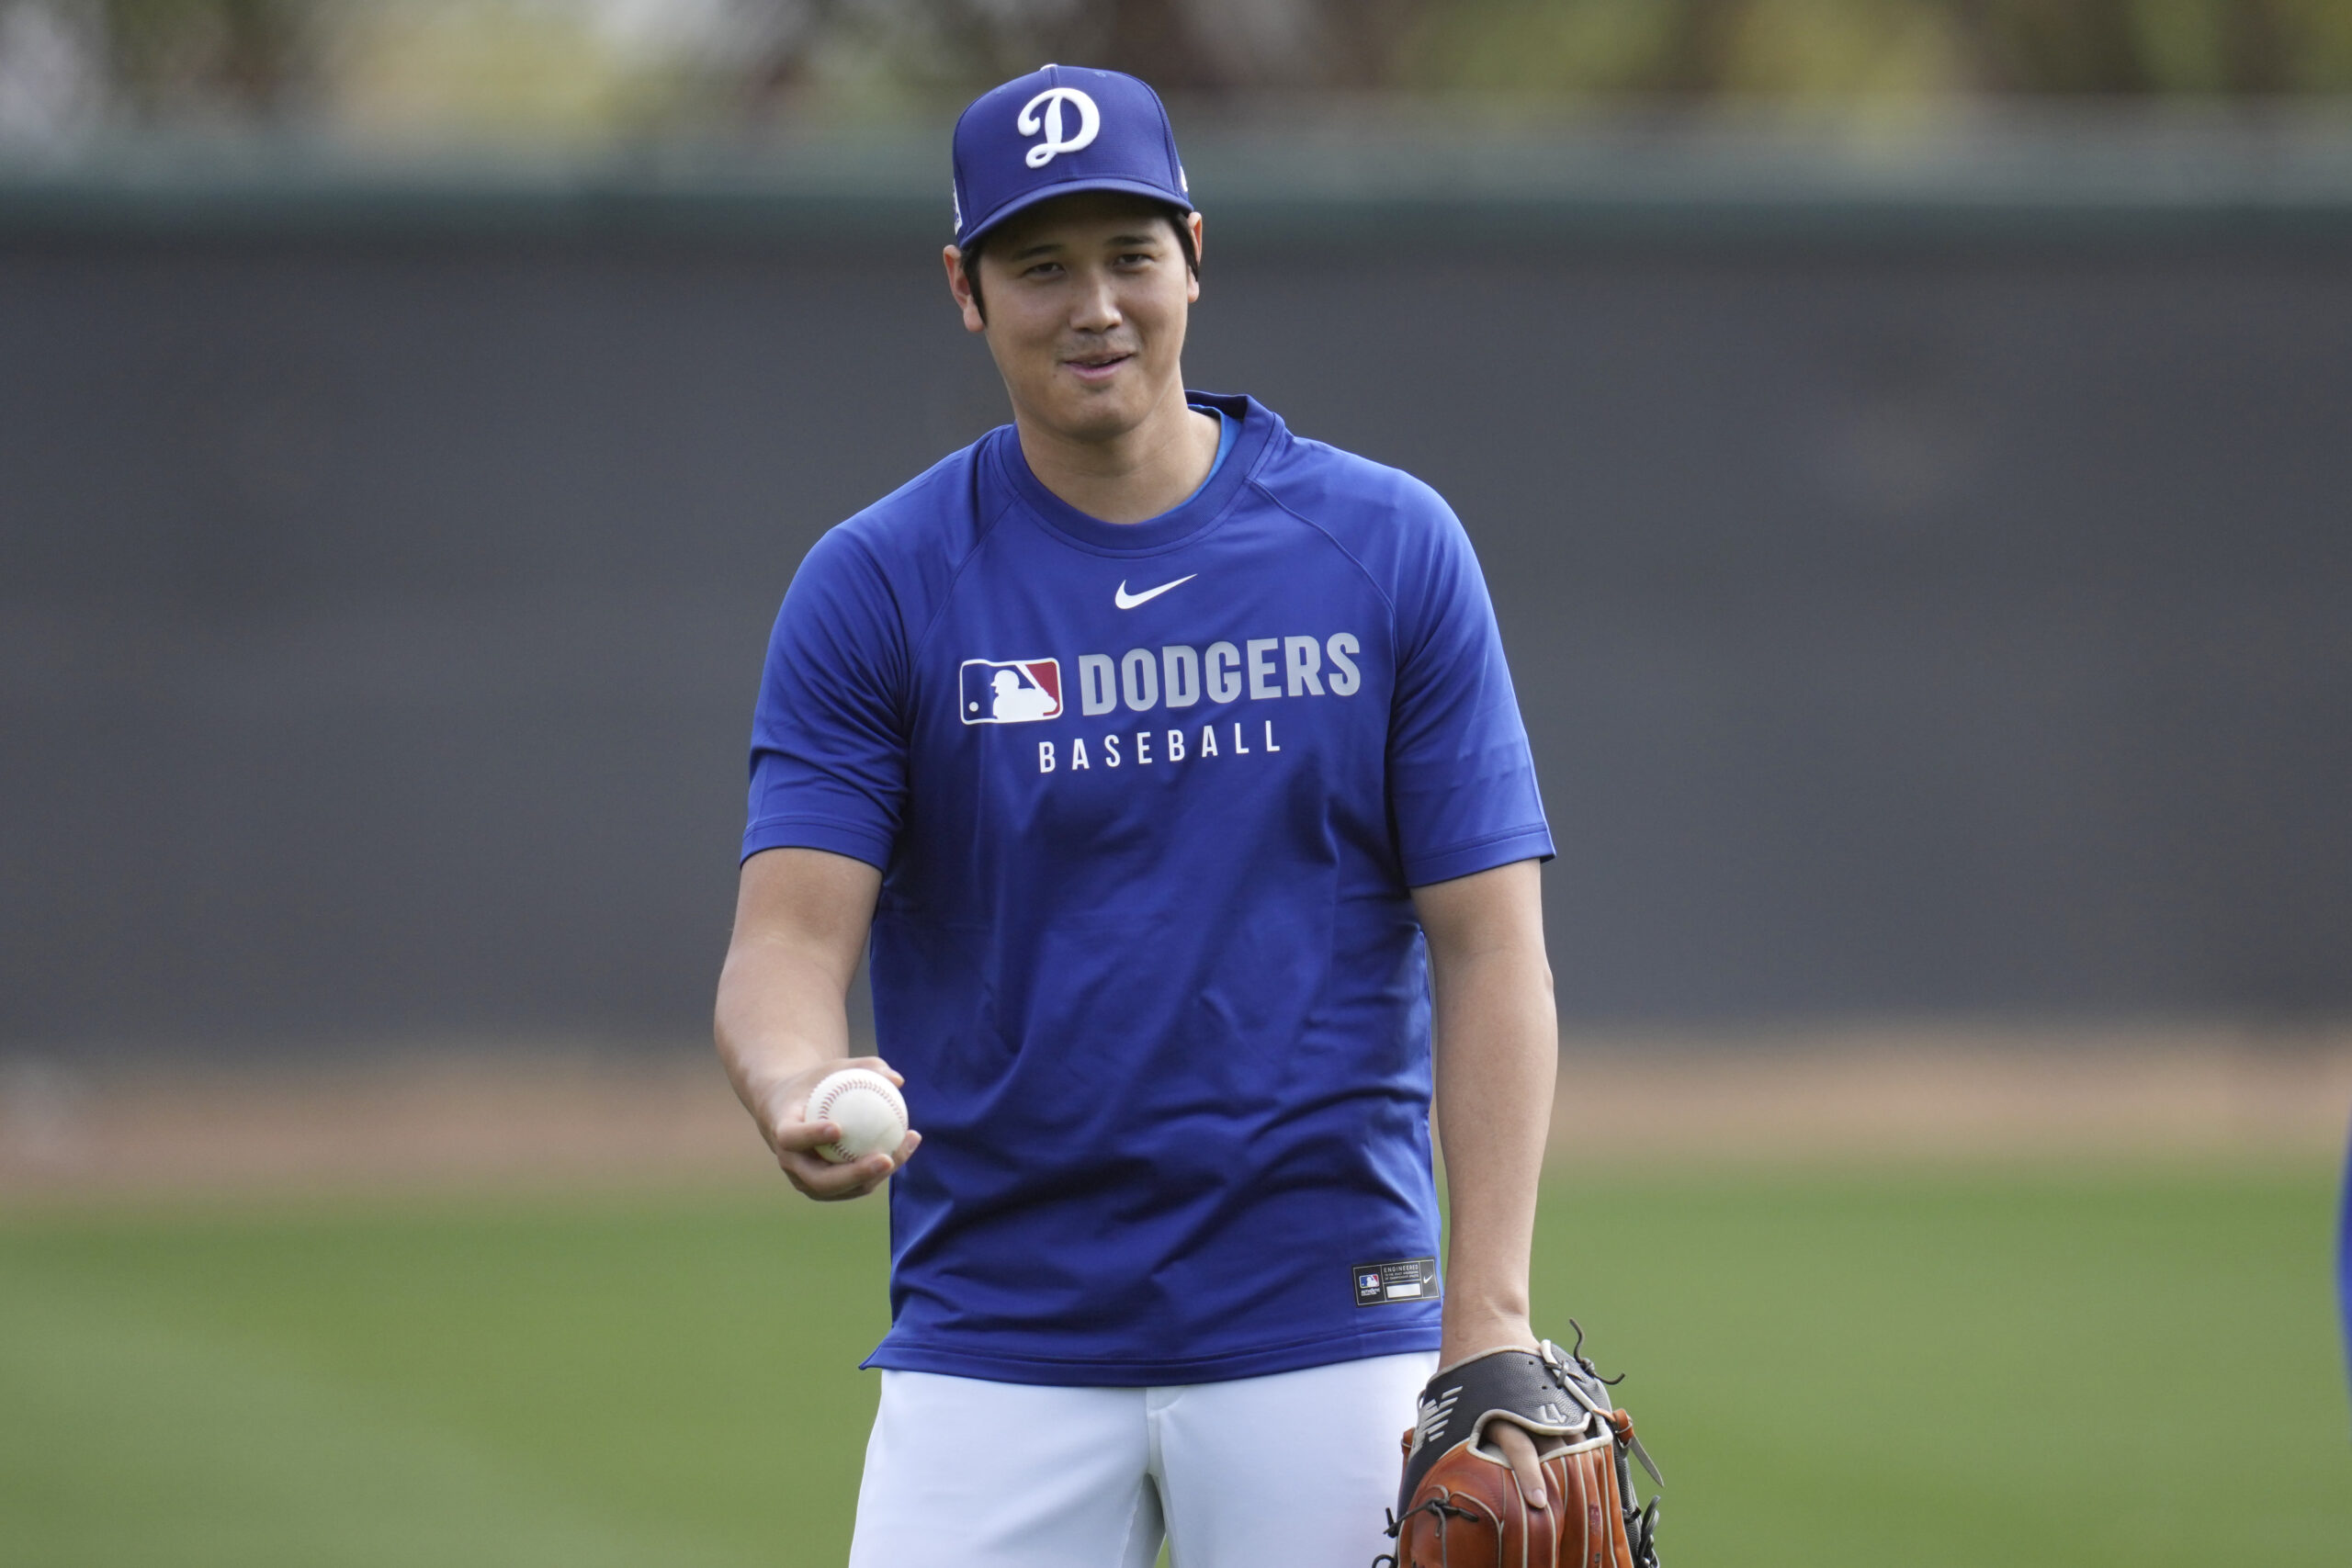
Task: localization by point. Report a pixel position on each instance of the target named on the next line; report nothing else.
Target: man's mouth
(1096, 367)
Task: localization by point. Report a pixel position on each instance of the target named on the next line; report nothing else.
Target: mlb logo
(1013, 691)
(1367, 1282)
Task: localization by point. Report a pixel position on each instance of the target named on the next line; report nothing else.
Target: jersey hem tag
(1402, 1279)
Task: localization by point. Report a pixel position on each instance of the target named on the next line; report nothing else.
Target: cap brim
(1030, 198)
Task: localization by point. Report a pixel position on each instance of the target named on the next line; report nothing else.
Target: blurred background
(1906, 441)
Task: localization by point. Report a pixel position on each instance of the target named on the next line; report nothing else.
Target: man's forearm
(780, 1014)
(1497, 1046)
(1495, 1062)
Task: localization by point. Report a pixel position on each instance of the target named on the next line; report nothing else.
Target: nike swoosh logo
(1126, 600)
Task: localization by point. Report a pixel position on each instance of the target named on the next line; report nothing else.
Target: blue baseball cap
(1059, 130)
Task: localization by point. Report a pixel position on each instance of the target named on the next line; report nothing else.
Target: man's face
(1086, 302)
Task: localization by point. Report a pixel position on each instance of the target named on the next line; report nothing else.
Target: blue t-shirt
(1148, 800)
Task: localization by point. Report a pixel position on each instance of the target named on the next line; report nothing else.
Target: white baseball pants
(1296, 1468)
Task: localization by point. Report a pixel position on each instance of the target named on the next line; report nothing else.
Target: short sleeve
(1461, 779)
(829, 744)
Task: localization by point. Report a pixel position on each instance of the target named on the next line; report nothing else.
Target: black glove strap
(1533, 1391)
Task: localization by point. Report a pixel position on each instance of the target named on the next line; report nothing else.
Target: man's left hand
(1499, 1331)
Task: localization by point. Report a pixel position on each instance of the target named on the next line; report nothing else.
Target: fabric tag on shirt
(1405, 1280)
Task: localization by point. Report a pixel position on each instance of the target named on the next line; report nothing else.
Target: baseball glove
(1460, 1505)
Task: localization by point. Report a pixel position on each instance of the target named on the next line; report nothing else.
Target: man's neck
(1134, 477)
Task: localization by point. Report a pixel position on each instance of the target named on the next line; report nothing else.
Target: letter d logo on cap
(1010, 140)
(1029, 123)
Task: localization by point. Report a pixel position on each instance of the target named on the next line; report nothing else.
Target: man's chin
(1097, 415)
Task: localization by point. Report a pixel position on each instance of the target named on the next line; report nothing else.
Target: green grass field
(1899, 1371)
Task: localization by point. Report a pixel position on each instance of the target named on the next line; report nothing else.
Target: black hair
(1175, 216)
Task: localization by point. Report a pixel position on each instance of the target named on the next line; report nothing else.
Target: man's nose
(1096, 307)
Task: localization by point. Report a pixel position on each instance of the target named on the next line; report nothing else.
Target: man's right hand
(801, 920)
(782, 1116)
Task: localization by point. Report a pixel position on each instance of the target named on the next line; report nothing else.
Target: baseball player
(1169, 763)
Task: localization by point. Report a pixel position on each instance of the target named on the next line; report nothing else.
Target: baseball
(867, 1109)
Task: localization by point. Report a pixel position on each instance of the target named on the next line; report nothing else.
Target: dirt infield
(552, 1119)
(1943, 1093)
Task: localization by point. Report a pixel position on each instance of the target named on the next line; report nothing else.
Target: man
(1170, 763)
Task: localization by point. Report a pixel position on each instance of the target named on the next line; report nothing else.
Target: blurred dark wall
(1902, 626)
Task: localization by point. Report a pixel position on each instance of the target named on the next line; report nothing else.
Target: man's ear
(960, 286)
(1192, 286)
